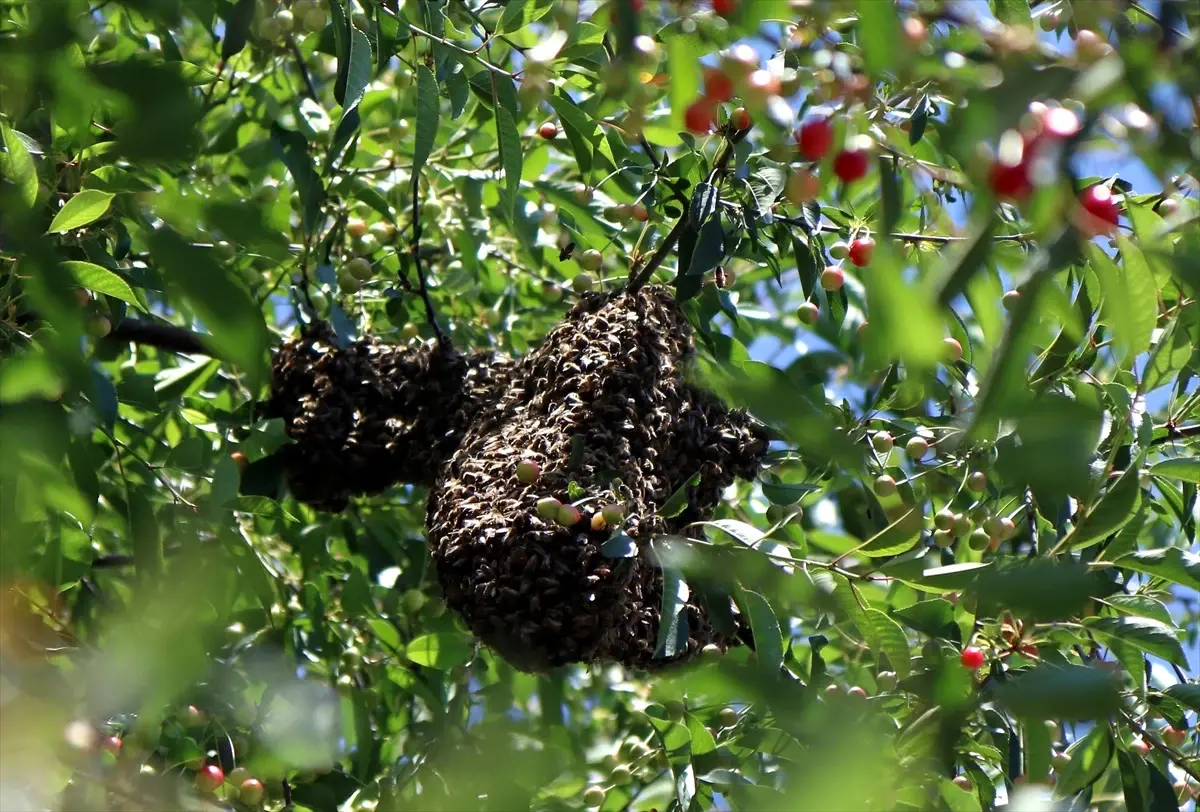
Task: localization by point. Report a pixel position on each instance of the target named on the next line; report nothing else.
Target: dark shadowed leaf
(1071, 692)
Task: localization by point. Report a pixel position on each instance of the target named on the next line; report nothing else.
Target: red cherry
(637, 5)
(740, 119)
(1011, 180)
(972, 658)
(850, 165)
(548, 130)
(717, 85)
(1105, 211)
(209, 778)
(814, 137)
(111, 745)
(725, 8)
(861, 250)
(698, 118)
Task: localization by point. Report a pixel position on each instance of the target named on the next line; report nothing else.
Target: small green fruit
(409, 331)
(980, 540)
(431, 209)
(839, 250)
(885, 485)
(402, 79)
(348, 283)
(621, 775)
(977, 481)
(528, 472)
(548, 508)
(886, 680)
(359, 268)
(916, 447)
(962, 525)
(591, 260)
(314, 21)
(944, 520)
(413, 601)
(728, 717)
(808, 313)
(286, 21)
(882, 441)
(675, 710)
(594, 797)
(943, 538)
(251, 791)
(583, 283)
(99, 326)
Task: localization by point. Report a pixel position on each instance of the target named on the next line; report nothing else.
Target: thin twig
(1176, 433)
(415, 250)
(304, 74)
(452, 46)
(1176, 758)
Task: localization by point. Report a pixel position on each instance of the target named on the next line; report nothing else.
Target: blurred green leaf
(440, 650)
(238, 332)
(1185, 469)
(1172, 563)
(1069, 693)
(768, 639)
(878, 36)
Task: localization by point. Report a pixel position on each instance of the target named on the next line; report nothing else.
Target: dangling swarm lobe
(370, 415)
(601, 403)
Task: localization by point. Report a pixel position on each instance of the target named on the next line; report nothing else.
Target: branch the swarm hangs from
(541, 594)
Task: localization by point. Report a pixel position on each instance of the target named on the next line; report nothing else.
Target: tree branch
(163, 336)
(415, 250)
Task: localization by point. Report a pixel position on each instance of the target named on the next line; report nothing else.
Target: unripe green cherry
(886, 680)
(613, 514)
(593, 797)
(839, 250)
(944, 520)
(569, 515)
(409, 331)
(977, 481)
(728, 717)
(359, 268)
(916, 447)
(943, 538)
(583, 283)
(591, 260)
(885, 485)
(431, 209)
(962, 525)
(882, 441)
(402, 79)
(528, 472)
(548, 507)
(979, 540)
(808, 313)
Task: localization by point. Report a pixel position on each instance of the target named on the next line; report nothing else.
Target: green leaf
(237, 25)
(292, 149)
(86, 207)
(967, 259)
(1187, 693)
(710, 248)
(428, 113)
(1148, 635)
(878, 35)
(768, 640)
(1090, 757)
(951, 578)
(898, 537)
(1172, 563)
(1012, 12)
(440, 650)
(1070, 693)
(957, 799)
(358, 76)
(673, 626)
(520, 13)
(510, 157)
(385, 632)
(931, 617)
(1130, 305)
(17, 166)
(1135, 781)
(1118, 505)
(905, 323)
(678, 501)
(579, 127)
(1185, 469)
(101, 280)
(238, 332)
(885, 636)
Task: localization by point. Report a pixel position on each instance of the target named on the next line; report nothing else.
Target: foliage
(183, 184)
